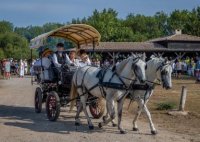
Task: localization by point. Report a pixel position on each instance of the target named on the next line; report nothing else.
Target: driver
(60, 57)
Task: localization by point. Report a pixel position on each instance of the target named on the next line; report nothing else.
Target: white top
(55, 60)
(75, 62)
(45, 62)
(82, 64)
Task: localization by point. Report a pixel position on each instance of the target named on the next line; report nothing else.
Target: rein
(109, 84)
(153, 82)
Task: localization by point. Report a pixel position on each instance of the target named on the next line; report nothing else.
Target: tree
(193, 25)
(6, 26)
(178, 19)
(13, 46)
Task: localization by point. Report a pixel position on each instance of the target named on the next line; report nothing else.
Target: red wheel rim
(52, 106)
(95, 109)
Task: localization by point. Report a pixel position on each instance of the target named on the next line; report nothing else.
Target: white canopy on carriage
(81, 34)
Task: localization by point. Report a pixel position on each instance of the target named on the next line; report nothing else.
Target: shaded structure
(171, 46)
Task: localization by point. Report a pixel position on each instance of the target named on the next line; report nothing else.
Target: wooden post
(113, 58)
(183, 98)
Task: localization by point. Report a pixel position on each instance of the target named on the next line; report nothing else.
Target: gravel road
(19, 122)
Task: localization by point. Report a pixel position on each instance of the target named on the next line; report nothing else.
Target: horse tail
(73, 95)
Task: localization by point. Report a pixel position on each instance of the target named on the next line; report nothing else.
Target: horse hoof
(100, 125)
(114, 125)
(154, 132)
(104, 118)
(77, 124)
(135, 129)
(122, 131)
(91, 127)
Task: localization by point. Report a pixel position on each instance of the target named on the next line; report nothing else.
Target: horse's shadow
(25, 117)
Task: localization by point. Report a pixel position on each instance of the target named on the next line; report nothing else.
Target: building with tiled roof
(172, 45)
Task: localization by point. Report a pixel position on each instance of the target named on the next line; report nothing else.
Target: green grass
(166, 106)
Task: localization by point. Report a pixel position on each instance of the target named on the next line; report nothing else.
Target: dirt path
(19, 122)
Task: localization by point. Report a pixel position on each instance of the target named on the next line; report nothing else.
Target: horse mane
(154, 62)
(121, 65)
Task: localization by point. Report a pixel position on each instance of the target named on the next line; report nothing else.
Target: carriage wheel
(38, 100)
(97, 108)
(53, 106)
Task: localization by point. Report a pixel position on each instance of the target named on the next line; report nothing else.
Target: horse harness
(147, 87)
(102, 85)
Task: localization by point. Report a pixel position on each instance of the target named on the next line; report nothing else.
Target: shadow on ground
(25, 117)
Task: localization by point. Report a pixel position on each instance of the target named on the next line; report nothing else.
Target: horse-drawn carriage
(55, 91)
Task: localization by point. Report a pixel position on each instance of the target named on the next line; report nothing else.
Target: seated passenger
(84, 59)
(72, 57)
(45, 61)
(44, 73)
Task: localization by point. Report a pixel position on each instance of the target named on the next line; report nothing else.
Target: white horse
(115, 83)
(157, 69)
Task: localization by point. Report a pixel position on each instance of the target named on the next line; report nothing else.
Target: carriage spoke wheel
(53, 106)
(97, 108)
(38, 100)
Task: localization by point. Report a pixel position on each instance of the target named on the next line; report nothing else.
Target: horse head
(139, 67)
(165, 70)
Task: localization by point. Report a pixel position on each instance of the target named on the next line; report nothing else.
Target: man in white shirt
(60, 57)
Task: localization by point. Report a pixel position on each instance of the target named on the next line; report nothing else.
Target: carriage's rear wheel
(97, 108)
(53, 106)
(38, 100)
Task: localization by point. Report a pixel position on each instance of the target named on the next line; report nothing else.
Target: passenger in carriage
(84, 59)
(72, 57)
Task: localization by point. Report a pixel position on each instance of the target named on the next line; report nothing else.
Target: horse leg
(105, 117)
(79, 109)
(119, 109)
(111, 110)
(153, 130)
(139, 110)
(83, 101)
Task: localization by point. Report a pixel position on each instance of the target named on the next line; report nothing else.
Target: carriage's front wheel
(97, 108)
(38, 100)
(53, 106)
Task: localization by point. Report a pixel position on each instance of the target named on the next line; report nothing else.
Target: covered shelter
(171, 46)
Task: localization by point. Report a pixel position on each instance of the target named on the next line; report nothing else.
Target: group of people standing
(187, 66)
(10, 67)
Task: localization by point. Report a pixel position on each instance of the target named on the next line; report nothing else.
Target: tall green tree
(6, 26)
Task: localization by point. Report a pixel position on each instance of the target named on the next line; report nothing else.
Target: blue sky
(39, 12)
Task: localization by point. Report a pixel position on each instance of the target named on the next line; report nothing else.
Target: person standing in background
(178, 69)
(25, 67)
(7, 69)
(193, 66)
(198, 70)
(21, 69)
(3, 68)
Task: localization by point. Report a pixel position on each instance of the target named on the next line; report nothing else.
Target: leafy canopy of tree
(135, 27)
